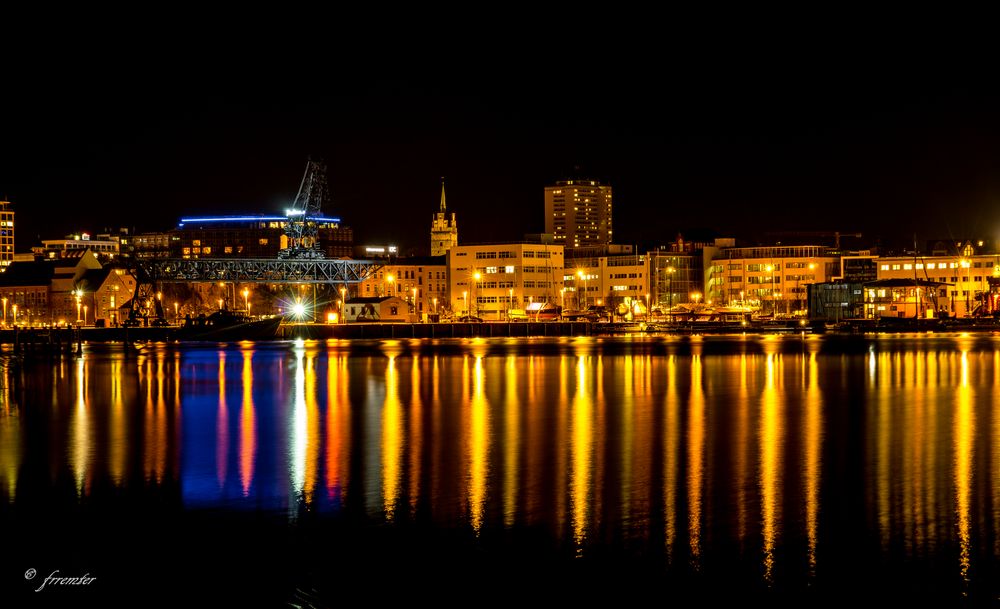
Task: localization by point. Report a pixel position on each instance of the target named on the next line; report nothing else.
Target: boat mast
(916, 287)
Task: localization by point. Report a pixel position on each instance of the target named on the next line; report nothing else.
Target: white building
(491, 279)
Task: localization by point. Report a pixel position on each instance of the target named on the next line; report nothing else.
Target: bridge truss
(258, 270)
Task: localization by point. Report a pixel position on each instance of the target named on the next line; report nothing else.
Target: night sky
(739, 139)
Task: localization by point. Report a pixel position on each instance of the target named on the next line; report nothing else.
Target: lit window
(895, 267)
(228, 249)
(931, 265)
(885, 267)
(262, 241)
(196, 242)
(907, 267)
(206, 250)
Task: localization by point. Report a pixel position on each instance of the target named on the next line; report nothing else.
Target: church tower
(444, 232)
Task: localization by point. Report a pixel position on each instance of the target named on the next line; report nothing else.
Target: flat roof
(248, 218)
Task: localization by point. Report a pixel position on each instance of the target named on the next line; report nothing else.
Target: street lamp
(389, 278)
(220, 304)
(246, 299)
(476, 276)
(4, 299)
(670, 290)
(84, 314)
(812, 268)
(510, 301)
(774, 306)
(14, 307)
(968, 279)
(647, 306)
(415, 301)
(581, 277)
(695, 296)
(562, 298)
(465, 300)
(177, 313)
(77, 294)
(435, 305)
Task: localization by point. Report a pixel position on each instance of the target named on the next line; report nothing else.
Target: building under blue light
(251, 236)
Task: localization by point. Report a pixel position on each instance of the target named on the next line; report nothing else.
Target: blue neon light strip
(250, 219)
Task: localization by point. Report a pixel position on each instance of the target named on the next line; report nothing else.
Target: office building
(490, 280)
(6, 234)
(578, 213)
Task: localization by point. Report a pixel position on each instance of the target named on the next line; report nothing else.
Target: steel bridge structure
(258, 270)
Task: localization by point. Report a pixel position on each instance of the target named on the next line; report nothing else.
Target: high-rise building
(444, 232)
(578, 213)
(6, 234)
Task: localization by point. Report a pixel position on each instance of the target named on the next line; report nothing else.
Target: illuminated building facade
(964, 278)
(103, 246)
(611, 281)
(444, 232)
(6, 234)
(773, 279)
(578, 213)
(490, 280)
(423, 281)
(43, 290)
(151, 245)
(377, 309)
(251, 237)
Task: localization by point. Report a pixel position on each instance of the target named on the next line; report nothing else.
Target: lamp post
(562, 297)
(389, 279)
(581, 303)
(968, 279)
(177, 313)
(246, 300)
(14, 308)
(670, 291)
(220, 304)
(435, 305)
(510, 301)
(415, 301)
(76, 294)
(647, 306)
(4, 299)
(476, 276)
(84, 314)
(802, 300)
(465, 300)
(770, 270)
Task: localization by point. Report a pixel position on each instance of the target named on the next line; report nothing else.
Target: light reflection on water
(747, 454)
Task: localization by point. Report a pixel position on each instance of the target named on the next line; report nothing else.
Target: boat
(226, 325)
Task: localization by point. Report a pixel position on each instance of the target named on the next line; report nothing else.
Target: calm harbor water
(787, 469)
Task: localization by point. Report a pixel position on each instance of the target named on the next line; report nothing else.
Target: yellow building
(772, 279)
(490, 280)
(423, 281)
(608, 281)
(966, 275)
(578, 213)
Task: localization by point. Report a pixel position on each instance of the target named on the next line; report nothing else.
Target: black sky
(741, 137)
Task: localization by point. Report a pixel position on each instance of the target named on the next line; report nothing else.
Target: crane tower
(301, 228)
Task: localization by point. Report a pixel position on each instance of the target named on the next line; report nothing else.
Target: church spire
(442, 195)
